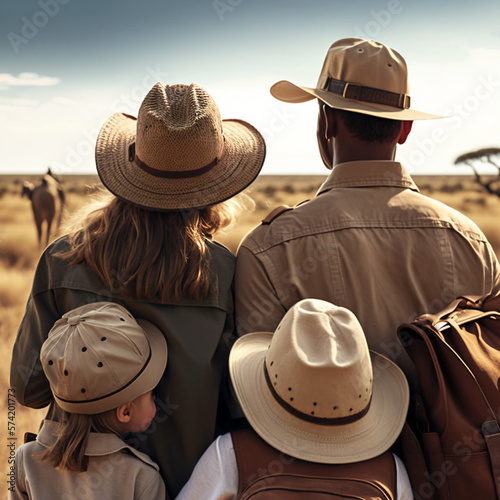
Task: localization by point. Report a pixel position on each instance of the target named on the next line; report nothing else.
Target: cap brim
(289, 92)
(366, 438)
(145, 382)
(241, 162)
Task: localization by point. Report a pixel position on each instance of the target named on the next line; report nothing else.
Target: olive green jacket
(199, 336)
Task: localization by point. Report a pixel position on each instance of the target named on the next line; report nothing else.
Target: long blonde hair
(68, 452)
(145, 253)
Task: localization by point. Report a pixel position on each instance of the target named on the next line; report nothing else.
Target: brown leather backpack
(451, 442)
(267, 474)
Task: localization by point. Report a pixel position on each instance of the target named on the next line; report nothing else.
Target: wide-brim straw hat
(98, 357)
(178, 153)
(312, 389)
(361, 76)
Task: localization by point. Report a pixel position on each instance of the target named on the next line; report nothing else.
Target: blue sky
(66, 65)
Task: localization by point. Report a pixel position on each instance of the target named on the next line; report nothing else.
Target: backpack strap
(491, 432)
(470, 306)
(414, 458)
(248, 457)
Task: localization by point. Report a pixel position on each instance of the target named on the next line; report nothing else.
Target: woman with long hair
(149, 247)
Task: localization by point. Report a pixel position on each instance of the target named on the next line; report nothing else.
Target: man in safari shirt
(368, 241)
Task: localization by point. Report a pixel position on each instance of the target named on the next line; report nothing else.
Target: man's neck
(375, 151)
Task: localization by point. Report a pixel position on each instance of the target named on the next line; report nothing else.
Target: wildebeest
(47, 201)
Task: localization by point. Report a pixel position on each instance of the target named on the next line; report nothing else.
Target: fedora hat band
(366, 94)
(311, 418)
(169, 174)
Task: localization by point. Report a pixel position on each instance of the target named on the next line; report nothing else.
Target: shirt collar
(97, 445)
(368, 174)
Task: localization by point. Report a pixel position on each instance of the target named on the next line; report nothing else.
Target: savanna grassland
(19, 248)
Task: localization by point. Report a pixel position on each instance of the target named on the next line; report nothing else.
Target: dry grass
(19, 252)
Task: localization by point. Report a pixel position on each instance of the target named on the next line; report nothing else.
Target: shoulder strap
(468, 307)
(248, 452)
(279, 211)
(276, 213)
(491, 432)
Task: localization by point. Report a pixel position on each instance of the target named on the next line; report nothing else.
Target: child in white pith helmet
(102, 366)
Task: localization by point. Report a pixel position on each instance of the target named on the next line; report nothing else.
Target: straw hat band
(311, 418)
(366, 94)
(122, 388)
(171, 174)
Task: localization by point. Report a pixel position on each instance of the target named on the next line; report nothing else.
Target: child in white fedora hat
(102, 365)
(322, 408)
(149, 245)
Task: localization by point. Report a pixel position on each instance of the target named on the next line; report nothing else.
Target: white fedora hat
(361, 76)
(314, 391)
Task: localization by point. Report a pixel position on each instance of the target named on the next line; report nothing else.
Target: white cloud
(64, 101)
(17, 104)
(26, 79)
(7, 101)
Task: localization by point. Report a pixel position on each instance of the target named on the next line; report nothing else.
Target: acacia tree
(474, 159)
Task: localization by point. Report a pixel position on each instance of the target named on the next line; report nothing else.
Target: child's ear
(123, 413)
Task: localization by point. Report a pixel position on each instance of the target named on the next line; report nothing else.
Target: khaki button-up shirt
(115, 471)
(368, 241)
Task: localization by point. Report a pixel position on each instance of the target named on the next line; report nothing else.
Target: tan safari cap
(362, 76)
(314, 391)
(98, 357)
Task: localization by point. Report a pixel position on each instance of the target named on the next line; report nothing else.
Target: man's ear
(325, 145)
(330, 122)
(124, 413)
(405, 130)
